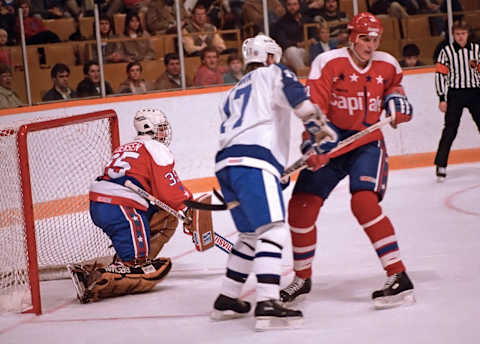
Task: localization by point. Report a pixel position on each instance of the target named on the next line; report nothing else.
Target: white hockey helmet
(153, 122)
(256, 49)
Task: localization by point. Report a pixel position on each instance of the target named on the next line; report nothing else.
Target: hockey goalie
(137, 229)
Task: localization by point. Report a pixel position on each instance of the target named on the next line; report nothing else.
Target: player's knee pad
(303, 210)
(118, 279)
(365, 206)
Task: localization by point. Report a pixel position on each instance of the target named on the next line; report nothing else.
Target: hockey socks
(303, 211)
(379, 229)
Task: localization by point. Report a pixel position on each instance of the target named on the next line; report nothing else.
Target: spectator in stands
(160, 17)
(170, 79)
(324, 42)
(7, 21)
(288, 33)
(138, 47)
(5, 54)
(395, 8)
(53, 9)
(252, 13)
(235, 69)
(134, 83)
(60, 74)
(8, 97)
(311, 9)
(35, 30)
(112, 7)
(209, 72)
(90, 85)
(112, 52)
(337, 21)
(411, 56)
(198, 34)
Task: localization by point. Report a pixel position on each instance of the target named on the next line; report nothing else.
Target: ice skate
(270, 315)
(229, 308)
(398, 290)
(79, 278)
(441, 173)
(295, 291)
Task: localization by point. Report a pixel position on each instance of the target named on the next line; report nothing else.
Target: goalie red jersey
(351, 97)
(147, 163)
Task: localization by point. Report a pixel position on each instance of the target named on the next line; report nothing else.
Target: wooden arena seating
(86, 26)
(62, 53)
(63, 27)
(415, 27)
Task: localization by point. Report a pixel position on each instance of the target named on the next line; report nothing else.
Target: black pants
(457, 100)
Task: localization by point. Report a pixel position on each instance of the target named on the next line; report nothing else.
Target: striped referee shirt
(457, 68)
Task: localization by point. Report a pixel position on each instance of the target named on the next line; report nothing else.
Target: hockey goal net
(46, 168)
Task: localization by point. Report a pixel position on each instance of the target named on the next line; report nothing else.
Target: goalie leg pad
(118, 279)
(202, 226)
(162, 228)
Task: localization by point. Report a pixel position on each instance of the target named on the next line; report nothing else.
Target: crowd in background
(201, 23)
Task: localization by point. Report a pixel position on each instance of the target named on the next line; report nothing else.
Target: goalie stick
(301, 163)
(212, 207)
(222, 243)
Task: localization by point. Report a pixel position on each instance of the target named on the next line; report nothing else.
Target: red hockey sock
(302, 213)
(379, 229)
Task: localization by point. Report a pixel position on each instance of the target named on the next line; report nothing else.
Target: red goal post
(47, 167)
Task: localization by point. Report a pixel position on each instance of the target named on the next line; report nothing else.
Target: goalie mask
(256, 49)
(153, 122)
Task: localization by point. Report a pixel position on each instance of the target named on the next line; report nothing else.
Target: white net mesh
(63, 161)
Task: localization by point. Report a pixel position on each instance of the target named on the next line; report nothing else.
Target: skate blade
(440, 179)
(276, 323)
(406, 298)
(79, 289)
(217, 315)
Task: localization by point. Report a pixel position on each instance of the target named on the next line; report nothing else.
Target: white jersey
(255, 117)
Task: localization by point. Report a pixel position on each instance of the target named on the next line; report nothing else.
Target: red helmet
(364, 23)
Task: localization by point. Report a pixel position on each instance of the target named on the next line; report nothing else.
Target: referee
(458, 71)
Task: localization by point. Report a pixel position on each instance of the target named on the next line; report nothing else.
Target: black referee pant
(457, 100)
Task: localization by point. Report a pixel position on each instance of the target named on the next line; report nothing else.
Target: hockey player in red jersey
(137, 230)
(352, 86)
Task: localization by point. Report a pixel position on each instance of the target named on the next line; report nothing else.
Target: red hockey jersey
(150, 164)
(352, 98)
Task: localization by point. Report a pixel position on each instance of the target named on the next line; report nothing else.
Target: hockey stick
(212, 207)
(222, 243)
(301, 163)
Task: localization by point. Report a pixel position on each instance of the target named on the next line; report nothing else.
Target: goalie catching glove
(399, 108)
(199, 224)
(93, 283)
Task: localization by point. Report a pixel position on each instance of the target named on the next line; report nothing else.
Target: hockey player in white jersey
(253, 152)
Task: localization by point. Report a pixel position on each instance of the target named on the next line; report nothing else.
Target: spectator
(198, 34)
(138, 47)
(170, 79)
(288, 33)
(35, 30)
(235, 69)
(411, 56)
(90, 85)
(160, 17)
(395, 8)
(53, 9)
(324, 42)
(208, 73)
(337, 20)
(134, 83)
(311, 9)
(8, 97)
(112, 7)
(60, 90)
(5, 55)
(111, 51)
(7, 21)
(252, 13)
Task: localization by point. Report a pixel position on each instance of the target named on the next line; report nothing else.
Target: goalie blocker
(199, 224)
